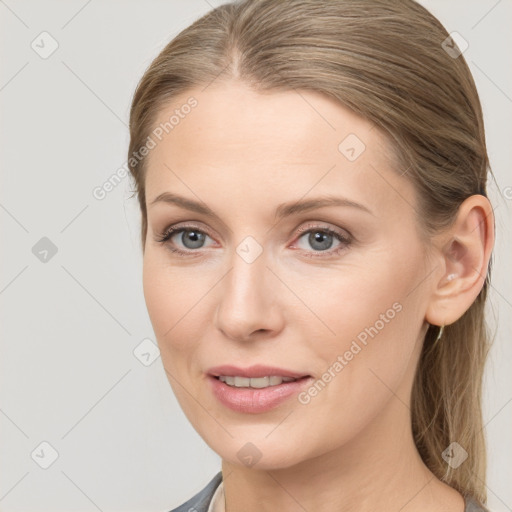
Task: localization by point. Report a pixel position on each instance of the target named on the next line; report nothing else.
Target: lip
(255, 371)
(255, 400)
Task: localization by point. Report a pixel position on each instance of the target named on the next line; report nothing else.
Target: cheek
(365, 364)
(169, 291)
(176, 300)
(368, 311)
(168, 298)
(157, 294)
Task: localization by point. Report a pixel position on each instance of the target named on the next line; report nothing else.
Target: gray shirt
(201, 501)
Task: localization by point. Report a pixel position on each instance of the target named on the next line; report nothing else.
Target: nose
(248, 306)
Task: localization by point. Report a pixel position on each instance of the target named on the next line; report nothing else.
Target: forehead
(292, 124)
(276, 145)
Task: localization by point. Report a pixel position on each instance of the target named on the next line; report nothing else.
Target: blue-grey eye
(192, 239)
(320, 240)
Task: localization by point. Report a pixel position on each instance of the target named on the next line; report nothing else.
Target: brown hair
(387, 61)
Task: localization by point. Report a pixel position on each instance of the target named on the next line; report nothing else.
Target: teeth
(259, 382)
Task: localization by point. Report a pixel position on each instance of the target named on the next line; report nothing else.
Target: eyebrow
(282, 211)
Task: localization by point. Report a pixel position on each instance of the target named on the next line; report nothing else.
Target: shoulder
(471, 505)
(201, 501)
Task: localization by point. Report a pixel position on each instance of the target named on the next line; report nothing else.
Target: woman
(317, 243)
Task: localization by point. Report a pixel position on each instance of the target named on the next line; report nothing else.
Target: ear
(464, 251)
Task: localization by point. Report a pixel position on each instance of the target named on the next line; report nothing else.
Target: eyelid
(183, 226)
(312, 225)
(317, 225)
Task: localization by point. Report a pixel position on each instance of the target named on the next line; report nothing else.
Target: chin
(258, 451)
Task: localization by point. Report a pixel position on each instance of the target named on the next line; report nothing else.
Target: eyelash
(169, 232)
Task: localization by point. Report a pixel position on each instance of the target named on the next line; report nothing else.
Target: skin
(242, 153)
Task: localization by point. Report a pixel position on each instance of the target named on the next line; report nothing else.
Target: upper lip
(254, 371)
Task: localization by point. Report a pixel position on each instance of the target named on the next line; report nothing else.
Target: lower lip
(256, 400)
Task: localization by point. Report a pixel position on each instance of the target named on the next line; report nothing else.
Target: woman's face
(336, 293)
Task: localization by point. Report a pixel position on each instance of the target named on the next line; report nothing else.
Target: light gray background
(70, 325)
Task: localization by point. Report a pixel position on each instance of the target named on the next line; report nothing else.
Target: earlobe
(465, 259)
